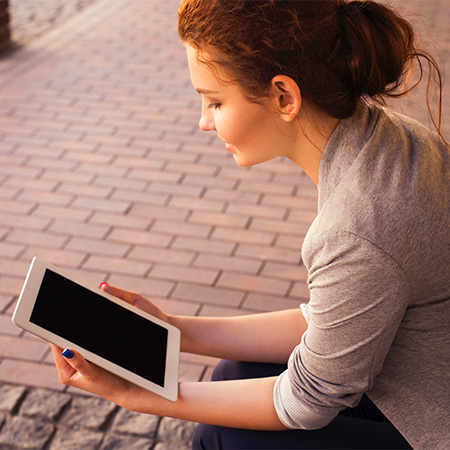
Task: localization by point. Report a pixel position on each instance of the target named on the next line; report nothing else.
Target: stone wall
(4, 24)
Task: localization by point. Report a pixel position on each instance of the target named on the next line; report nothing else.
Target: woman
(365, 365)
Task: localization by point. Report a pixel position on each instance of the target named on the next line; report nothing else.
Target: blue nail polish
(67, 353)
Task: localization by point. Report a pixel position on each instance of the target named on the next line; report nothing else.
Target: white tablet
(104, 329)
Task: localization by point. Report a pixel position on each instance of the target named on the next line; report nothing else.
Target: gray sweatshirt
(378, 258)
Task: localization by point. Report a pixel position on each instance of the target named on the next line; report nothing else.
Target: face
(252, 132)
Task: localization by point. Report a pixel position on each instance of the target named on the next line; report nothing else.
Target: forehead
(202, 75)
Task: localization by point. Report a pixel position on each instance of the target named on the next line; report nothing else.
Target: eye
(214, 106)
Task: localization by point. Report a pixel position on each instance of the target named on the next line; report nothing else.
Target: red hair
(336, 51)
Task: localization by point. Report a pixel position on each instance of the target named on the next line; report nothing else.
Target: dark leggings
(362, 427)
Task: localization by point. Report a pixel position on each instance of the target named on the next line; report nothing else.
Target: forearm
(266, 337)
(237, 404)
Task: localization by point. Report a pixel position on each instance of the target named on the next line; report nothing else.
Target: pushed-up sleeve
(358, 296)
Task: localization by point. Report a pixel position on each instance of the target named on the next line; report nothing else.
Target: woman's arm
(266, 337)
(239, 403)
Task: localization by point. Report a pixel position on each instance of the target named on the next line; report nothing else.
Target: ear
(287, 96)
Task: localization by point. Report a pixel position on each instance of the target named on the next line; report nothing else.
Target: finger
(77, 362)
(65, 370)
(133, 298)
(129, 297)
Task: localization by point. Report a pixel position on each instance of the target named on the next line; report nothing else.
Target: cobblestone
(131, 422)
(10, 397)
(23, 432)
(44, 403)
(75, 439)
(36, 418)
(90, 412)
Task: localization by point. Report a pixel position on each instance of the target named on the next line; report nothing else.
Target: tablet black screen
(101, 326)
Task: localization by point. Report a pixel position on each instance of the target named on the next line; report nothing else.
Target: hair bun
(372, 49)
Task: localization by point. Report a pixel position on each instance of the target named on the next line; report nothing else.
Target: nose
(206, 122)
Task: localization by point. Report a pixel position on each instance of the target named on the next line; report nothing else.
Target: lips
(229, 147)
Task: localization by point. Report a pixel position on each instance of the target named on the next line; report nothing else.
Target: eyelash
(214, 105)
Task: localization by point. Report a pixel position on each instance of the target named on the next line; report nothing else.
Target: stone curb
(36, 418)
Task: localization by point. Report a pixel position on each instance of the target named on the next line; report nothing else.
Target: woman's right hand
(136, 299)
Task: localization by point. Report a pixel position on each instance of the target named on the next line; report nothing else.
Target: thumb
(77, 362)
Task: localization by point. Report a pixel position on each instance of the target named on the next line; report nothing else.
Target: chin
(243, 162)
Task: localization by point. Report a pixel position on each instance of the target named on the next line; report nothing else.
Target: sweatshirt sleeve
(358, 296)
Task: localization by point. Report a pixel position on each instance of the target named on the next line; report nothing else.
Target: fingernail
(67, 353)
(104, 283)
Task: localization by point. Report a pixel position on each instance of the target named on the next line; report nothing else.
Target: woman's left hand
(77, 372)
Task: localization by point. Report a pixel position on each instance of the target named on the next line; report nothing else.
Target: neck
(313, 133)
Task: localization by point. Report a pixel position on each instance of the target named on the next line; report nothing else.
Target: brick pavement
(30, 19)
(103, 171)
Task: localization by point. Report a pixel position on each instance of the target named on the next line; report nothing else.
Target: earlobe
(287, 96)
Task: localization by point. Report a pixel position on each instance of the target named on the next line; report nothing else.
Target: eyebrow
(206, 91)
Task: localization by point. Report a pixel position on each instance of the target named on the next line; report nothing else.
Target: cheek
(244, 127)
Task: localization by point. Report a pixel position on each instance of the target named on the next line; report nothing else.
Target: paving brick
(285, 271)
(115, 206)
(189, 274)
(25, 349)
(117, 265)
(10, 285)
(206, 294)
(159, 255)
(76, 228)
(63, 258)
(29, 374)
(60, 212)
(289, 242)
(233, 195)
(231, 263)
(11, 250)
(279, 226)
(197, 204)
(300, 290)
(94, 191)
(30, 223)
(7, 327)
(242, 236)
(120, 220)
(28, 237)
(5, 301)
(147, 287)
(181, 190)
(267, 253)
(222, 219)
(17, 207)
(220, 311)
(261, 302)
(177, 307)
(181, 228)
(139, 237)
(94, 246)
(254, 283)
(141, 198)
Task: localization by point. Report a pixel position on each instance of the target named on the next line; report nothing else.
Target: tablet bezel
(24, 309)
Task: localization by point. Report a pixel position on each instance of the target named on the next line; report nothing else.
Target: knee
(205, 437)
(225, 370)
